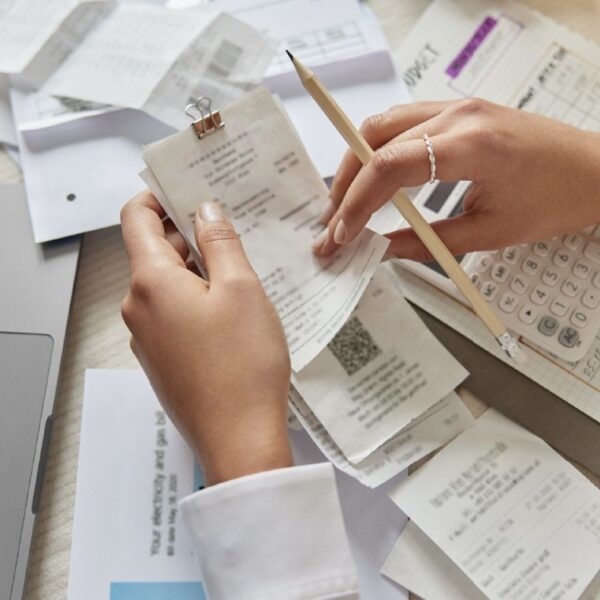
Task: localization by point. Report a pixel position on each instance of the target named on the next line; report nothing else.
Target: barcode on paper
(224, 59)
(353, 346)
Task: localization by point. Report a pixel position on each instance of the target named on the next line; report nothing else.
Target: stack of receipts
(499, 515)
(371, 385)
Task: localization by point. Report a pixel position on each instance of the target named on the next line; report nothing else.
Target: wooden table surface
(97, 338)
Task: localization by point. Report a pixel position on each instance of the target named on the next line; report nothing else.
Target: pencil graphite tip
(290, 55)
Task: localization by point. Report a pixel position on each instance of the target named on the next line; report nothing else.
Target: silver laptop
(36, 284)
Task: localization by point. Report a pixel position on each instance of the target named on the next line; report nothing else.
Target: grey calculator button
(519, 284)
(562, 258)
(550, 276)
(541, 248)
(572, 241)
(500, 273)
(483, 263)
(548, 325)
(511, 255)
(568, 337)
(582, 270)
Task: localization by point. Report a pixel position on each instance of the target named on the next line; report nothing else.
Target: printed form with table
(198, 101)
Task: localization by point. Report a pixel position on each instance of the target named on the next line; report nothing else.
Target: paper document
(8, 135)
(417, 564)
(156, 59)
(381, 371)
(133, 464)
(434, 428)
(517, 518)
(134, 467)
(507, 53)
(36, 36)
(257, 168)
(343, 42)
(79, 173)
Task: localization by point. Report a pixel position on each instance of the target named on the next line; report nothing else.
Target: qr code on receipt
(353, 346)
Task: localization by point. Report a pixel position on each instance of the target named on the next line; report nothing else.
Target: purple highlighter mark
(465, 55)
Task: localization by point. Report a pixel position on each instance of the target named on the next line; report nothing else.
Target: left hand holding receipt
(215, 353)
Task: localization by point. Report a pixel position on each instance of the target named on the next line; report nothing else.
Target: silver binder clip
(209, 121)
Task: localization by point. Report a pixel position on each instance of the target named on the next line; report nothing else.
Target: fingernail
(211, 211)
(320, 240)
(341, 233)
(327, 212)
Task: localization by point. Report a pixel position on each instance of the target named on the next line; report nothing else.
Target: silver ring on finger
(431, 154)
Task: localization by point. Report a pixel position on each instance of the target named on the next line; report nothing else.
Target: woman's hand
(215, 353)
(533, 177)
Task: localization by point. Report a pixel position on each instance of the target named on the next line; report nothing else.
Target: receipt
(257, 168)
(382, 370)
(418, 565)
(36, 36)
(434, 428)
(518, 519)
(156, 59)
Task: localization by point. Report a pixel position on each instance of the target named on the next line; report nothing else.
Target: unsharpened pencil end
(290, 55)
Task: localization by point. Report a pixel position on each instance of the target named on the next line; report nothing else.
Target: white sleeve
(277, 534)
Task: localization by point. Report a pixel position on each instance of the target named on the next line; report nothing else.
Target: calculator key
(589, 230)
(559, 306)
(562, 258)
(582, 269)
(484, 262)
(500, 273)
(476, 280)
(548, 325)
(580, 318)
(550, 276)
(541, 248)
(570, 287)
(531, 266)
(508, 302)
(596, 280)
(590, 298)
(568, 337)
(528, 314)
(539, 295)
(489, 290)
(519, 284)
(511, 255)
(573, 241)
(592, 251)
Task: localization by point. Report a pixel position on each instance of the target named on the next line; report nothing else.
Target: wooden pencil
(417, 222)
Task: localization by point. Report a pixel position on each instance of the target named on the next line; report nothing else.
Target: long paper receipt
(258, 170)
(517, 518)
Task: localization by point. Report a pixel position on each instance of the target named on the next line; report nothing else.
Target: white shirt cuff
(272, 535)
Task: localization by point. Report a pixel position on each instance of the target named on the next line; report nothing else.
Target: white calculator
(547, 292)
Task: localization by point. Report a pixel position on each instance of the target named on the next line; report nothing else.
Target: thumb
(219, 244)
(461, 234)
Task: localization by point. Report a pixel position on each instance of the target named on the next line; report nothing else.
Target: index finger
(144, 233)
(378, 130)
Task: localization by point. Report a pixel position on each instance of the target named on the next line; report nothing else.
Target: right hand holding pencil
(533, 177)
